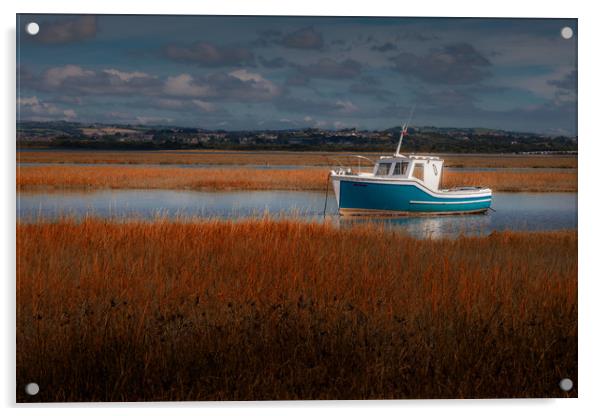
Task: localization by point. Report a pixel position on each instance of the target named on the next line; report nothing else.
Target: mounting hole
(32, 389)
(566, 32)
(32, 28)
(566, 384)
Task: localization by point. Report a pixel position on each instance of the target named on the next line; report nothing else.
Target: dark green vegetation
(424, 139)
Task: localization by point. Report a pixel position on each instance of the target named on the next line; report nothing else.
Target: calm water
(514, 211)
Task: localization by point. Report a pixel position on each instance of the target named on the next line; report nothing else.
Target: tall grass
(94, 177)
(518, 181)
(262, 309)
(281, 158)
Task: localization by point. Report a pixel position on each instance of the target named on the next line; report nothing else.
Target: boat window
(418, 172)
(383, 169)
(400, 168)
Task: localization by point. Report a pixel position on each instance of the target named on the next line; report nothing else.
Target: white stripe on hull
(450, 202)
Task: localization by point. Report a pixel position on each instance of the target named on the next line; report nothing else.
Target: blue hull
(357, 197)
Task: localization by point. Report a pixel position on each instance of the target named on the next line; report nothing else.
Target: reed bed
(112, 177)
(521, 181)
(275, 310)
(281, 158)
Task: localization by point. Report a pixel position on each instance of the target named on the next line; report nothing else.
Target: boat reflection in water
(425, 227)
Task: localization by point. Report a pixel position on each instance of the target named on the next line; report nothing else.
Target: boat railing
(342, 168)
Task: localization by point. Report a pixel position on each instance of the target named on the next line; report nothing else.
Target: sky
(244, 72)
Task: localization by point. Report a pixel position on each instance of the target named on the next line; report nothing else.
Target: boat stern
(336, 186)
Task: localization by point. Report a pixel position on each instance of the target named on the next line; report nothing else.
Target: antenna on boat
(404, 130)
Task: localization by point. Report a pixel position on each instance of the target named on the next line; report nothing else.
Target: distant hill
(419, 139)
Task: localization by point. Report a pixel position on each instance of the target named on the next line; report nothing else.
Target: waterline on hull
(353, 212)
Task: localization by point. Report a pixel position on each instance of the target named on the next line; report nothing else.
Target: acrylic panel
(295, 208)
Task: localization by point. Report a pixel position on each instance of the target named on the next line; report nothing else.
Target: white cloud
(153, 120)
(261, 82)
(54, 77)
(69, 113)
(538, 85)
(32, 108)
(185, 86)
(346, 106)
(126, 76)
(204, 105)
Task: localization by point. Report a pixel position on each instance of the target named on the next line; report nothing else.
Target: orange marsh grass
(99, 177)
(262, 309)
(282, 158)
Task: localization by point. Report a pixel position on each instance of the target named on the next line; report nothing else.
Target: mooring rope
(326, 198)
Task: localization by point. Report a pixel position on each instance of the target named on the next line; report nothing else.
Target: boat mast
(404, 130)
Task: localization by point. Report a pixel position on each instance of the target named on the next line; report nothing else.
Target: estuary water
(513, 211)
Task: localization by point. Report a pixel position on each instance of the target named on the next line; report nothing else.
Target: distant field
(280, 158)
(106, 130)
(132, 177)
(250, 310)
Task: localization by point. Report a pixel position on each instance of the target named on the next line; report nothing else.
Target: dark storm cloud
(341, 45)
(385, 47)
(566, 88)
(452, 104)
(414, 36)
(67, 30)
(461, 71)
(297, 79)
(458, 63)
(453, 99)
(305, 38)
(446, 98)
(370, 86)
(268, 37)
(193, 106)
(73, 79)
(277, 62)
(569, 82)
(208, 55)
(240, 85)
(338, 107)
(327, 68)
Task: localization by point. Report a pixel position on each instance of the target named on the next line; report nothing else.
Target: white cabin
(427, 169)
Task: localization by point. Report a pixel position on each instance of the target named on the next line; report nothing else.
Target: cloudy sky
(287, 72)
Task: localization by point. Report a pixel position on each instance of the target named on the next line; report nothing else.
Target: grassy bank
(282, 158)
(129, 177)
(284, 310)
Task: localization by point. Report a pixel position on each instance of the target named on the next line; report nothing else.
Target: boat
(404, 185)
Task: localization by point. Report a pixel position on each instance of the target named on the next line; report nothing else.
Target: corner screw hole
(32, 28)
(566, 384)
(32, 389)
(566, 32)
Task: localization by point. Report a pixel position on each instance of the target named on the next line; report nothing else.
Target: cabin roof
(413, 157)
